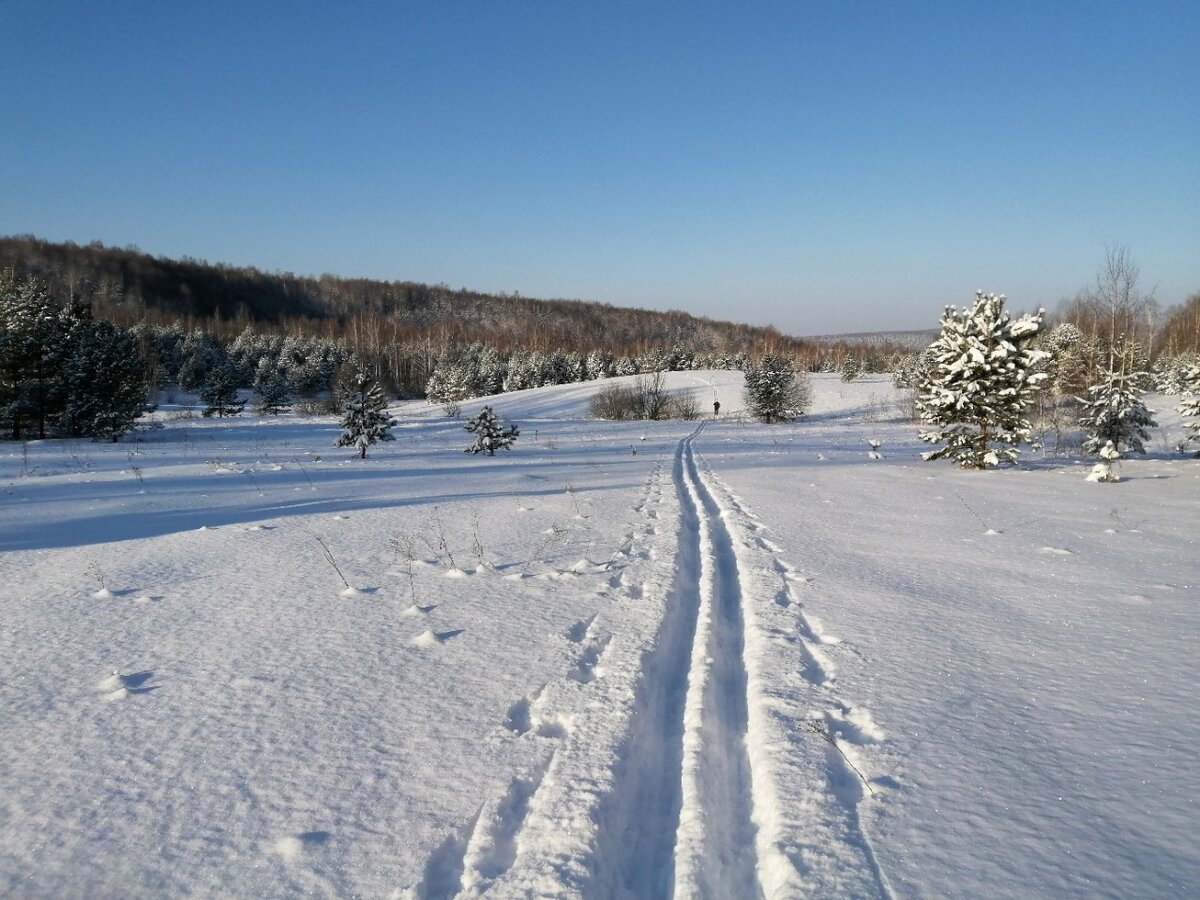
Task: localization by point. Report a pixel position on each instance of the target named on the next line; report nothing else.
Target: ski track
(733, 779)
(715, 851)
(799, 857)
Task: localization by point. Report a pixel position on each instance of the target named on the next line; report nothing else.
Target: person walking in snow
(716, 408)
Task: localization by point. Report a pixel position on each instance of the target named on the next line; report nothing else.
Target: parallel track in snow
(680, 822)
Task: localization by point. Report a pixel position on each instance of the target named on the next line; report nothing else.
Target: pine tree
(1191, 403)
(199, 354)
(774, 392)
(982, 378)
(1114, 411)
(851, 368)
(34, 346)
(490, 436)
(219, 392)
(271, 387)
(106, 386)
(366, 420)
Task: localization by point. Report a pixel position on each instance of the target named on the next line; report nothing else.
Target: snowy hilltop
(639, 659)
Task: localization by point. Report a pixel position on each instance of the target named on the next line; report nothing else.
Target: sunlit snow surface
(619, 660)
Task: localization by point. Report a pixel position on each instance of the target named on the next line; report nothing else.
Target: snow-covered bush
(774, 391)
(982, 379)
(366, 420)
(1104, 470)
(490, 435)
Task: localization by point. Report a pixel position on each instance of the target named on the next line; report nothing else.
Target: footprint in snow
(1056, 551)
(577, 632)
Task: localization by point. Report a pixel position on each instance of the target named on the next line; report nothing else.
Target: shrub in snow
(982, 378)
(1114, 412)
(490, 435)
(774, 391)
(365, 420)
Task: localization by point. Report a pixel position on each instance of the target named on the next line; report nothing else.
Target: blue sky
(823, 167)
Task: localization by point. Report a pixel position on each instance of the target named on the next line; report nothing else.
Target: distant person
(716, 408)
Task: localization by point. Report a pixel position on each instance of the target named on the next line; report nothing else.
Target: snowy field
(709, 659)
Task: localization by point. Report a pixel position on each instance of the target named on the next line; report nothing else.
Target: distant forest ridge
(913, 340)
(127, 286)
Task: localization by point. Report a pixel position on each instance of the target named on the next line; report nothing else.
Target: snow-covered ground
(623, 660)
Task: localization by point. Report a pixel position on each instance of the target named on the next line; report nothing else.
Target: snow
(726, 660)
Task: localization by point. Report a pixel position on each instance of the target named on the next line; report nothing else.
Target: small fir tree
(1114, 412)
(271, 387)
(851, 368)
(219, 393)
(490, 435)
(774, 392)
(366, 420)
(982, 378)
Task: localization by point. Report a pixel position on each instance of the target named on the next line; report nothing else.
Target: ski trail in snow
(845, 729)
(635, 842)
(679, 821)
(715, 854)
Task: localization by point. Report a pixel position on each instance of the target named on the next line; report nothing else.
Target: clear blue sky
(823, 167)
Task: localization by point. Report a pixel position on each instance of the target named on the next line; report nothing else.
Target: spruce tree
(365, 420)
(774, 392)
(983, 376)
(490, 435)
(219, 393)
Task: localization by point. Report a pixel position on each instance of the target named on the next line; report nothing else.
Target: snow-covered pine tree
(490, 435)
(1190, 406)
(199, 354)
(106, 387)
(271, 386)
(448, 384)
(366, 420)
(34, 340)
(219, 392)
(982, 379)
(851, 368)
(1114, 411)
(774, 392)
